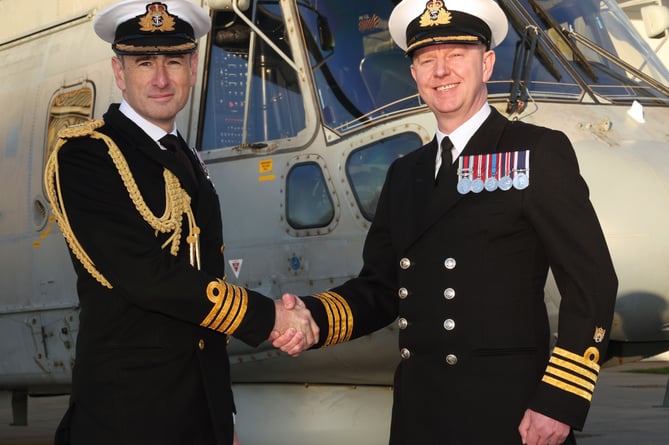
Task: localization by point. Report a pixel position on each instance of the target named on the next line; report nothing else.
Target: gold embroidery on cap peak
(435, 14)
(157, 19)
(140, 49)
(445, 39)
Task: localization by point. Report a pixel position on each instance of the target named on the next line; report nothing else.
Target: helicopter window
(597, 40)
(69, 106)
(543, 73)
(358, 70)
(268, 106)
(366, 168)
(308, 201)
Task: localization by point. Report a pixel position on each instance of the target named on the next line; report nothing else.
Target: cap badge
(599, 335)
(435, 14)
(157, 19)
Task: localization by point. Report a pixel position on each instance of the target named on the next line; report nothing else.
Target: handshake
(294, 328)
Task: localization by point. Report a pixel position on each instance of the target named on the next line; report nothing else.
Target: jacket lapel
(423, 184)
(137, 138)
(486, 139)
(433, 202)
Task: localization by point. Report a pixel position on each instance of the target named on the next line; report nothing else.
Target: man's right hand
(294, 328)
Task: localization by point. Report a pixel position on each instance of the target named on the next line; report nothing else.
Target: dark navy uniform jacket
(151, 362)
(465, 276)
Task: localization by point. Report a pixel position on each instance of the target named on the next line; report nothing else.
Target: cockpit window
(523, 60)
(597, 41)
(269, 106)
(558, 51)
(360, 73)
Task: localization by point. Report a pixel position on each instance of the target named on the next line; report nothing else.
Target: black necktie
(173, 144)
(446, 158)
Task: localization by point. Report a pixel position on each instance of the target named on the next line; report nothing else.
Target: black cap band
(447, 27)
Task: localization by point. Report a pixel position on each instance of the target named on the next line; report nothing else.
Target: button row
(449, 293)
(449, 263)
(451, 359)
(449, 324)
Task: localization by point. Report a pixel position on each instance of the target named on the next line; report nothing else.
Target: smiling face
(451, 79)
(156, 86)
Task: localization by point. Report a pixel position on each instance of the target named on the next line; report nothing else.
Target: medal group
(494, 171)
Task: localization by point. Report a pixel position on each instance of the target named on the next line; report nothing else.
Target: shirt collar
(154, 131)
(461, 136)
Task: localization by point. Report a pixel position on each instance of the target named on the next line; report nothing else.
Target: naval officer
(143, 225)
(464, 234)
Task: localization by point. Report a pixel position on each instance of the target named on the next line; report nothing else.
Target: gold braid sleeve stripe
(587, 361)
(564, 375)
(222, 306)
(177, 201)
(230, 306)
(574, 368)
(333, 319)
(572, 372)
(340, 318)
(566, 387)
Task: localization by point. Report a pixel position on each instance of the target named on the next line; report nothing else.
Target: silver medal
(505, 183)
(464, 185)
(521, 181)
(477, 185)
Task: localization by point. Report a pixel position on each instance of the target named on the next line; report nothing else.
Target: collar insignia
(157, 19)
(435, 14)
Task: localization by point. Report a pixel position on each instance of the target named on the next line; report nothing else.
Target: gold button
(452, 359)
(222, 248)
(405, 353)
(402, 323)
(405, 263)
(449, 324)
(403, 293)
(200, 344)
(449, 293)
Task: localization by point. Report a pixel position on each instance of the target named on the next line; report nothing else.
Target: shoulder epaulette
(80, 130)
